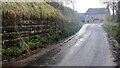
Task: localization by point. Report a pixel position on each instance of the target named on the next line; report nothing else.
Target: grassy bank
(28, 10)
(114, 28)
(66, 19)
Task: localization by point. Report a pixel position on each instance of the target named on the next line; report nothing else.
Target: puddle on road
(54, 56)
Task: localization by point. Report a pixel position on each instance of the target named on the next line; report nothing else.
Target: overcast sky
(82, 5)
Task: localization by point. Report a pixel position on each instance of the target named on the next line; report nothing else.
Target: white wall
(91, 17)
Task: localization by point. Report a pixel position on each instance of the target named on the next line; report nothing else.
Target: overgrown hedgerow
(66, 19)
(32, 42)
(113, 28)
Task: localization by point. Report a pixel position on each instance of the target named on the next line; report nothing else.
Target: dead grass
(28, 9)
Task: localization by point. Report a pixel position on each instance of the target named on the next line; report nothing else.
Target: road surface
(89, 47)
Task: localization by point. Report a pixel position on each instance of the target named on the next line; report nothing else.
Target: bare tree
(118, 11)
(111, 4)
(70, 2)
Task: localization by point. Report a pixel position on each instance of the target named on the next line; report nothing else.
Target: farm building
(94, 15)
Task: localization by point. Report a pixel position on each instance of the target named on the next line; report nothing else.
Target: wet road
(89, 47)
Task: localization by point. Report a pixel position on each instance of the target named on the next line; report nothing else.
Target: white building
(94, 15)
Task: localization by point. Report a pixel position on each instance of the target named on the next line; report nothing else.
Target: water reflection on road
(89, 47)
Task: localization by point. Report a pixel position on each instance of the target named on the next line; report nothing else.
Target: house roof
(96, 11)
